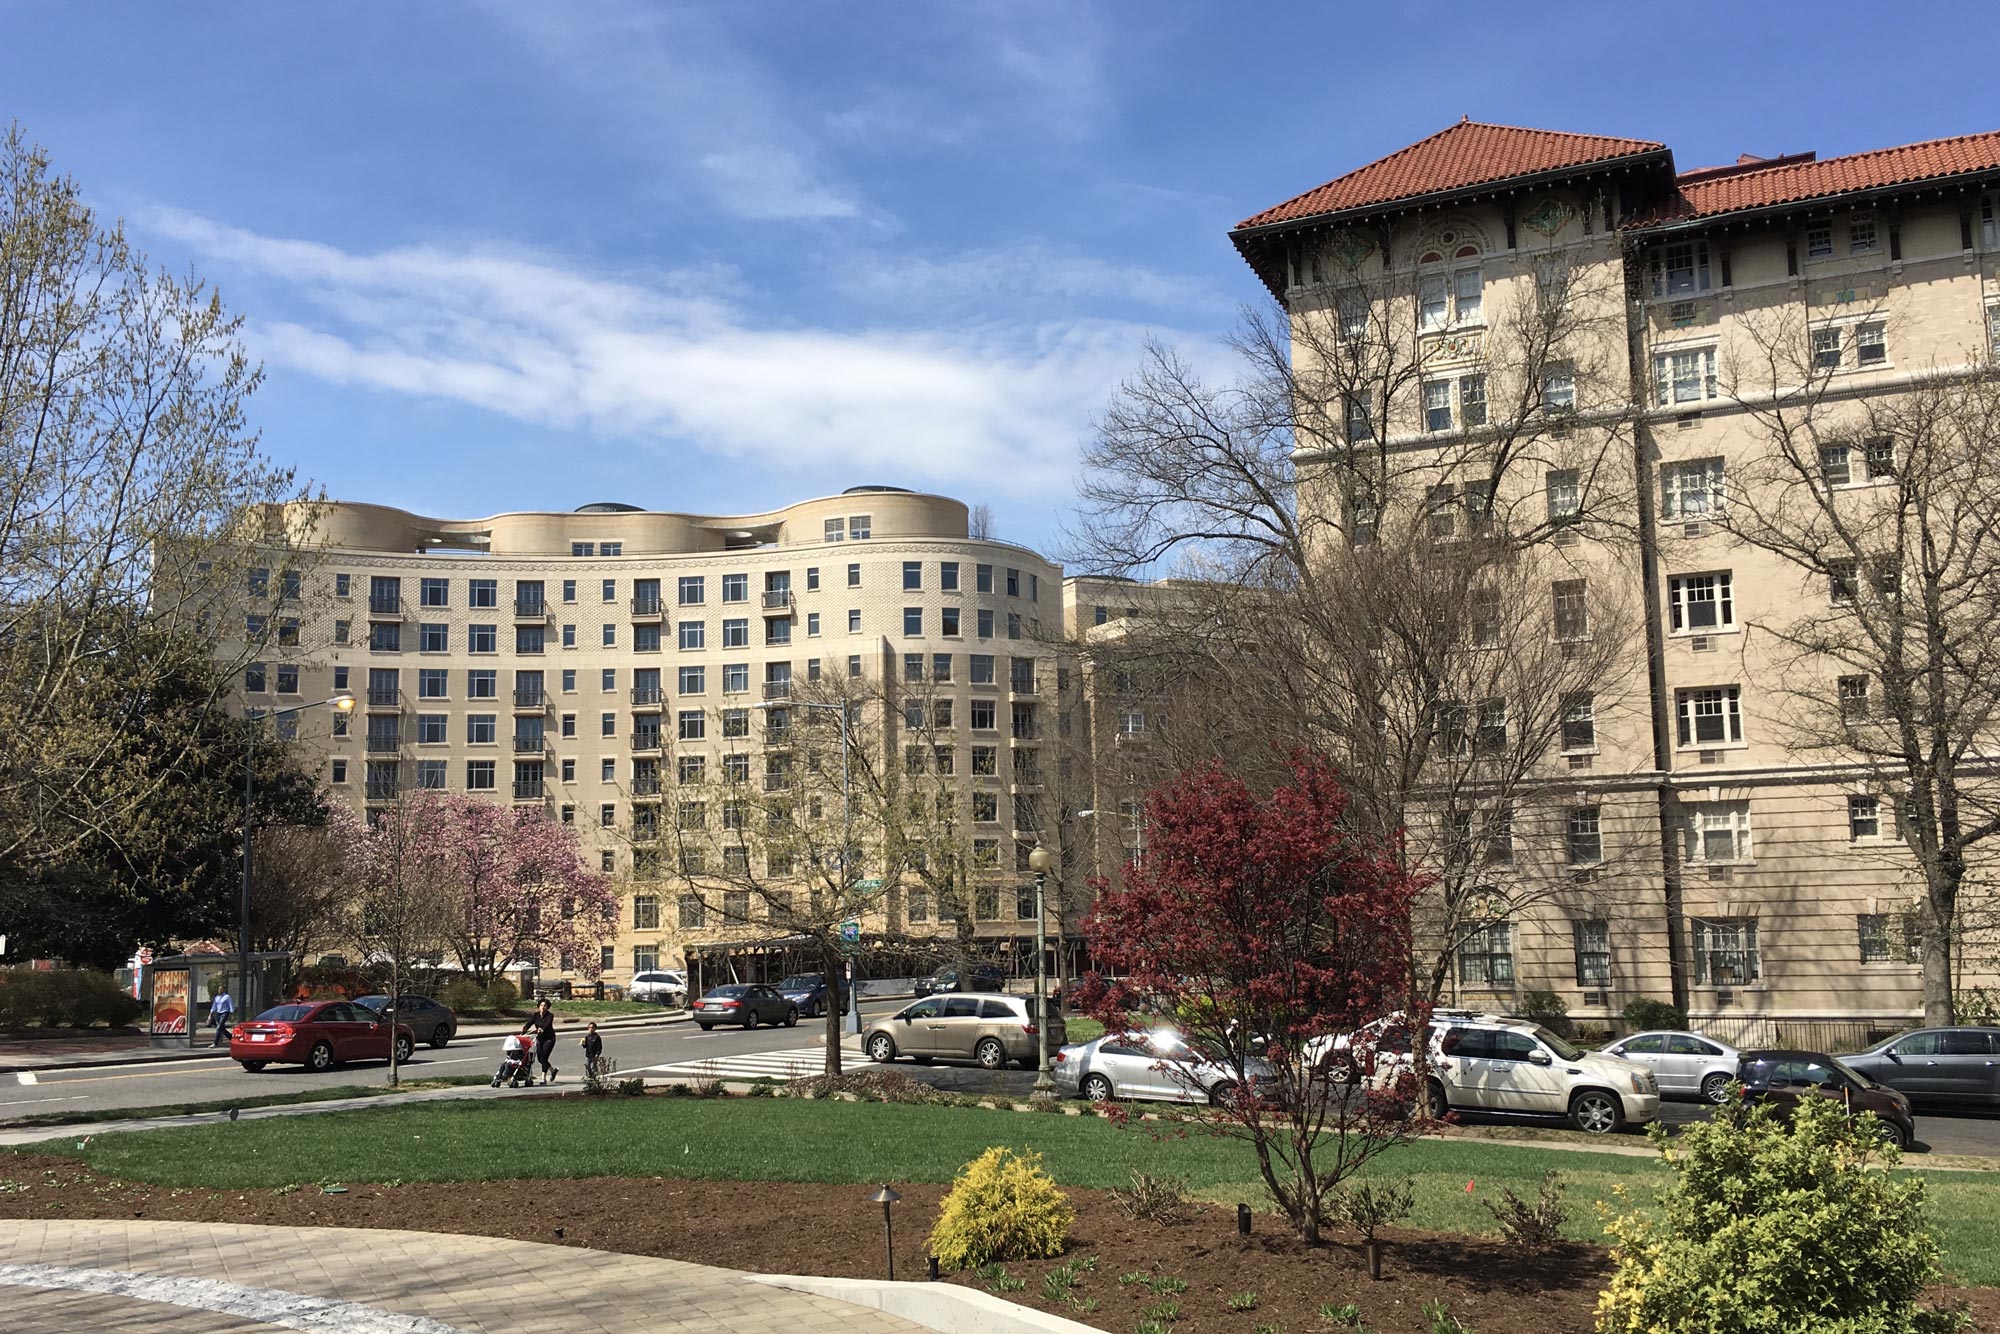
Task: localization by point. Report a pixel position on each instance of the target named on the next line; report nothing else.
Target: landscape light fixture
(1039, 861)
(886, 1197)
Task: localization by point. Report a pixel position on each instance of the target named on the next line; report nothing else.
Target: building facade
(594, 663)
(1717, 447)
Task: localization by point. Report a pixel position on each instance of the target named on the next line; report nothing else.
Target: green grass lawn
(333, 1094)
(787, 1139)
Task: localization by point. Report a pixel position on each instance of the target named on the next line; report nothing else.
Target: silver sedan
(1685, 1065)
(1157, 1066)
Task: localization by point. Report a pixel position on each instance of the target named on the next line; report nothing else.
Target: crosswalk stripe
(793, 1064)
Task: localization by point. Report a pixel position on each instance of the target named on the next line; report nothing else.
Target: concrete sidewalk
(85, 1052)
(59, 1276)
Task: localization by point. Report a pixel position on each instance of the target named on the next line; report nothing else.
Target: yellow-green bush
(1777, 1227)
(1002, 1206)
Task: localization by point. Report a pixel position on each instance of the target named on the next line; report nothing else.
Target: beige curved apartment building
(572, 659)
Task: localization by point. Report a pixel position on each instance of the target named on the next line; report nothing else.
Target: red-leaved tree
(1261, 929)
(520, 890)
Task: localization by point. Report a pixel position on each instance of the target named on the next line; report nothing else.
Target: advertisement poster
(170, 1002)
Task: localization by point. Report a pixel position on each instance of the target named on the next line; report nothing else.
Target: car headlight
(1642, 1083)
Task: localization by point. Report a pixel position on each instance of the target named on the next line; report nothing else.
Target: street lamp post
(846, 827)
(1039, 861)
(340, 703)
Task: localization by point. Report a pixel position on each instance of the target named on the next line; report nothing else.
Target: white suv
(667, 986)
(1513, 1066)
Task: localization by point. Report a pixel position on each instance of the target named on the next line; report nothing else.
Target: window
(693, 680)
(812, 624)
(836, 530)
(859, 527)
(483, 683)
(343, 631)
(1571, 608)
(1864, 818)
(1472, 400)
(1700, 603)
(985, 807)
(735, 588)
(854, 576)
(1593, 953)
(479, 775)
(569, 636)
(568, 770)
(431, 775)
(531, 639)
(1725, 952)
(1684, 376)
(569, 590)
(1437, 405)
(1871, 346)
(692, 590)
(1359, 427)
(431, 682)
(1353, 308)
(690, 908)
(431, 729)
(735, 678)
(339, 771)
(1679, 269)
(1579, 721)
(253, 678)
(735, 723)
(583, 548)
(692, 725)
(981, 669)
(607, 725)
(1853, 697)
(1819, 240)
(1585, 836)
(1718, 831)
(1565, 492)
(1490, 737)
(1886, 939)
(948, 576)
(1442, 501)
(482, 593)
(986, 857)
(607, 680)
(1364, 525)
(1471, 403)
(913, 620)
(985, 623)
(1843, 581)
(1486, 956)
(343, 585)
(1860, 235)
(1131, 724)
(383, 637)
(433, 638)
(1559, 388)
(854, 620)
(645, 912)
(1692, 489)
(949, 622)
(778, 631)
(569, 680)
(1826, 349)
(692, 635)
(913, 575)
(984, 716)
(480, 729)
(610, 635)
(1710, 716)
(434, 592)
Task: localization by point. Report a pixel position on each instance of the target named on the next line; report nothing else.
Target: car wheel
(1595, 1112)
(1891, 1133)
(405, 1048)
(1340, 1069)
(704, 1027)
(1221, 1093)
(750, 1020)
(253, 1066)
(1440, 1105)
(1715, 1089)
(792, 1017)
(440, 1035)
(881, 1049)
(990, 1054)
(1097, 1088)
(320, 1058)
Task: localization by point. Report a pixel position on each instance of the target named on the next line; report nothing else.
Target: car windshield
(801, 982)
(285, 1014)
(376, 1002)
(1863, 1080)
(729, 991)
(1557, 1044)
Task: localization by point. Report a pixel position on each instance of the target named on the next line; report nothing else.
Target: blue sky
(719, 257)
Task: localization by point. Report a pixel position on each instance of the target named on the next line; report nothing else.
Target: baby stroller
(517, 1063)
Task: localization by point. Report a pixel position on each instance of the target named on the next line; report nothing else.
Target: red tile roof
(1459, 156)
(1788, 180)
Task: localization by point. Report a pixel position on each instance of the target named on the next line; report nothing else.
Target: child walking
(593, 1048)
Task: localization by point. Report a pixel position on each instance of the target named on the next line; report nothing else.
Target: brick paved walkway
(61, 1276)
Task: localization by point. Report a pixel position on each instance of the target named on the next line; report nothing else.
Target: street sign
(850, 931)
(868, 884)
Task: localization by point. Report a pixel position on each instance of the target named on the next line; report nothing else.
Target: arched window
(1450, 292)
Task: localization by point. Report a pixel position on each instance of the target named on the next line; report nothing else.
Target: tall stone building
(1695, 394)
(605, 663)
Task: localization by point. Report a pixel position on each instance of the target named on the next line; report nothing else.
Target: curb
(949, 1308)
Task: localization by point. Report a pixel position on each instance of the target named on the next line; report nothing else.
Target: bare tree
(1888, 508)
(404, 905)
(979, 524)
(300, 890)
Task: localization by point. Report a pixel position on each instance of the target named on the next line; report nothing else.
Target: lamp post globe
(1039, 862)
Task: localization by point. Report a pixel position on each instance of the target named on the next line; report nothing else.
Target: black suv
(980, 977)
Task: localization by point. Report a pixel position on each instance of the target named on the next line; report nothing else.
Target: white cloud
(1030, 273)
(666, 360)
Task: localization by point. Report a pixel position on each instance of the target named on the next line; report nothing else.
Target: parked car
(1945, 1067)
(989, 1029)
(1160, 1065)
(667, 986)
(1516, 1067)
(1379, 1052)
(318, 1035)
(808, 992)
(1782, 1077)
(745, 1003)
(1683, 1064)
(431, 1021)
(978, 978)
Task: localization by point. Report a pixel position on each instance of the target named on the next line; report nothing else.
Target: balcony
(777, 690)
(535, 699)
(530, 745)
(777, 782)
(385, 607)
(531, 609)
(528, 791)
(382, 789)
(1027, 777)
(385, 697)
(778, 602)
(647, 697)
(642, 833)
(648, 607)
(644, 786)
(648, 739)
(1022, 685)
(379, 745)
(1026, 732)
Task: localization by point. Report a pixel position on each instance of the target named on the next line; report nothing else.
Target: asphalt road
(692, 1051)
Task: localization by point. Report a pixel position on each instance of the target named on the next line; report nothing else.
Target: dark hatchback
(1783, 1077)
(945, 980)
(745, 1003)
(808, 992)
(1943, 1067)
(431, 1022)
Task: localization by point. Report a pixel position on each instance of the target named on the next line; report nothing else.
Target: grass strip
(215, 1105)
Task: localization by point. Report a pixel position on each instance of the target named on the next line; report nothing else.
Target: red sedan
(318, 1035)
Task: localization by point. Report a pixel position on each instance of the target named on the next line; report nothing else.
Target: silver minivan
(989, 1029)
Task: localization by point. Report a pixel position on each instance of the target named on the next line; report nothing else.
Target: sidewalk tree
(131, 478)
(403, 906)
(1887, 509)
(1257, 923)
(519, 889)
(300, 884)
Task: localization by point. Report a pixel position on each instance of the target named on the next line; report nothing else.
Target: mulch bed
(798, 1228)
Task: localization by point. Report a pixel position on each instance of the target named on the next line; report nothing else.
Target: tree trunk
(1939, 1002)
